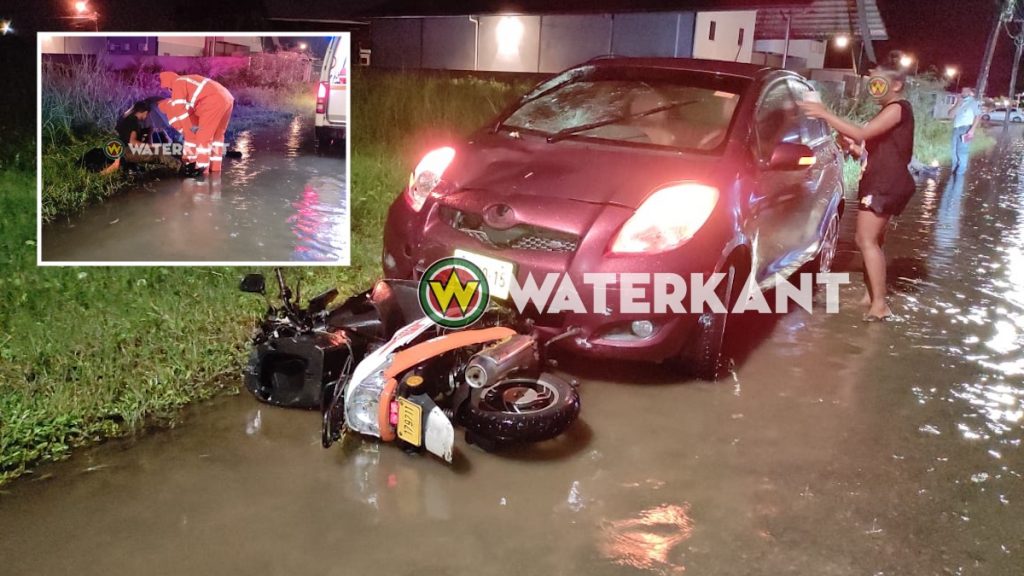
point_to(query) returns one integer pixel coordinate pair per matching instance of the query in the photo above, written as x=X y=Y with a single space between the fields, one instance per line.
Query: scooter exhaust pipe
x=517 y=352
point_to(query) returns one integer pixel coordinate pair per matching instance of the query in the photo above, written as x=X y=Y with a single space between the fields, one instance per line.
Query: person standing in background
x=966 y=116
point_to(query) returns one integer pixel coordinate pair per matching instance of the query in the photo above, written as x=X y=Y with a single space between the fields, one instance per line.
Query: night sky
x=944 y=32
x=938 y=32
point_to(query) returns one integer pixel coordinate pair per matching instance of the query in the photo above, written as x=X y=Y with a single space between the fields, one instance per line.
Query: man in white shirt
x=966 y=114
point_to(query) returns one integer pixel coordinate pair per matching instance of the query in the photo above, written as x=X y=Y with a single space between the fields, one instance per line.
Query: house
x=798 y=38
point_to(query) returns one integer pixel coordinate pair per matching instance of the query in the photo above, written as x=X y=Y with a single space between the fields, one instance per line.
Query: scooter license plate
x=410 y=422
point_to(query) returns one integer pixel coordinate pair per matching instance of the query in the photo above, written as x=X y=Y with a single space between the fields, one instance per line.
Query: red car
x=633 y=165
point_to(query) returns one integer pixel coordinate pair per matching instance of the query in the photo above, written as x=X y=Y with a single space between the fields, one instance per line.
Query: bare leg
x=865 y=300
x=870 y=235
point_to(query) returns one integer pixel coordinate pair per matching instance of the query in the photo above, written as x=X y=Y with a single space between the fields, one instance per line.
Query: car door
x=778 y=202
x=824 y=178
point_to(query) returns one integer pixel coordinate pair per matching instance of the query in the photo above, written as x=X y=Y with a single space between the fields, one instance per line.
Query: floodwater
x=280 y=202
x=839 y=448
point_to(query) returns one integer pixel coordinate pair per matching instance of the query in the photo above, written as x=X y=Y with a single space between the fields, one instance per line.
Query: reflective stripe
x=202 y=150
x=218 y=143
x=202 y=164
x=178 y=119
x=179 y=102
x=190 y=144
x=216 y=158
x=196 y=93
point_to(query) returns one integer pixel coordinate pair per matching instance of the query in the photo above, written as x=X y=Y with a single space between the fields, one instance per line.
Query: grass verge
x=91 y=353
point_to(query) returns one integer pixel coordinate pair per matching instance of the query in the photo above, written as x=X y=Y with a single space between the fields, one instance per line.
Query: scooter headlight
x=362 y=400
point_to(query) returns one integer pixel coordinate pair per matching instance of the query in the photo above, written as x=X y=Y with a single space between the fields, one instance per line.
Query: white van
x=332 y=94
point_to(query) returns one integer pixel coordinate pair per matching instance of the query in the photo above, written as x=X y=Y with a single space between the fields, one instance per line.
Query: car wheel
x=1016 y=119
x=706 y=358
x=986 y=117
x=827 y=252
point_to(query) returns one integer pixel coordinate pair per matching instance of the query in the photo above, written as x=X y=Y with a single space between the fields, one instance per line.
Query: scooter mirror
x=254 y=283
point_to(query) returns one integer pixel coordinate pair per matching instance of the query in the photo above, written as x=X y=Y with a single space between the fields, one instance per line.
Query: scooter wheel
x=521 y=410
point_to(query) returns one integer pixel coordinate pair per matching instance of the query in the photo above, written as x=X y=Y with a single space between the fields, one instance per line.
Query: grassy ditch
x=81 y=102
x=91 y=353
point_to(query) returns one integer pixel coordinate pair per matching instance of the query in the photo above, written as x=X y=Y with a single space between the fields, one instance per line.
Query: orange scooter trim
x=420 y=353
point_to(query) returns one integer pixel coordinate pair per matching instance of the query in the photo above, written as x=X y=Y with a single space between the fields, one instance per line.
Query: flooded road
x=280 y=202
x=839 y=448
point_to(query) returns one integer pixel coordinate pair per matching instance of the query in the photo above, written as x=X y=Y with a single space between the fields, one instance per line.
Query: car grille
x=518 y=237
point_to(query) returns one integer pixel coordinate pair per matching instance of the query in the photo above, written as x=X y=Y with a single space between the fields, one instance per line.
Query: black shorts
x=884 y=204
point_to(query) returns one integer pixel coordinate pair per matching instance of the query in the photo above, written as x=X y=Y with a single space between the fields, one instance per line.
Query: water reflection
x=277 y=202
x=649 y=540
x=321 y=228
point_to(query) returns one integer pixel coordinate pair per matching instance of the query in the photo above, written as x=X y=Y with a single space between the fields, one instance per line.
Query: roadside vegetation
x=932 y=137
x=93 y=353
x=82 y=101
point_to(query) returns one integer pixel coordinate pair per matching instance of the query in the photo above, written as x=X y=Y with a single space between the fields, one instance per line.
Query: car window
x=650 y=107
x=812 y=129
x=777 y=119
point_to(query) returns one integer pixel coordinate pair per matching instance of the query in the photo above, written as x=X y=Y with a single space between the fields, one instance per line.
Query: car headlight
x=667 y=219
x=362 y=400
x=427 y=175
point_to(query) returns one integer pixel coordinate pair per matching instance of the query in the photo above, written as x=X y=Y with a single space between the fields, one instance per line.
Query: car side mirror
x=789 y=156
x=254 y=283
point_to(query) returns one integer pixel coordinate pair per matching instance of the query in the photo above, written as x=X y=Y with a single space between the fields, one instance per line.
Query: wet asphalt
x=280 y=202
x=835 y=448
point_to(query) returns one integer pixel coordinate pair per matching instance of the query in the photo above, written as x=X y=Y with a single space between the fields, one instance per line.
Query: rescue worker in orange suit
x=203 y=104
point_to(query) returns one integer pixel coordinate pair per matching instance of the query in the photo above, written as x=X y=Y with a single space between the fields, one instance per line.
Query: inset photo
x=178 y=149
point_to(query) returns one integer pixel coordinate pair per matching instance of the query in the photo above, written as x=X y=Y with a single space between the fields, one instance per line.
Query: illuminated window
x=711 y=32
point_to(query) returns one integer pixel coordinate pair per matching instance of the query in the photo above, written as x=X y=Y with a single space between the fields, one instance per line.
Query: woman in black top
x=885 y=184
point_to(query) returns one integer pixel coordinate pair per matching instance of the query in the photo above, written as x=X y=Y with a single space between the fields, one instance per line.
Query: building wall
x=59 y=44
x=397 y=42
x=551 y=43
x=181 y=45
x=565 y=41
x=811 y=51
x=725 y=45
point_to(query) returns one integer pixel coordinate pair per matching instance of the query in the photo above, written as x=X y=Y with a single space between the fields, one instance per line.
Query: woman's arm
x=884 y=121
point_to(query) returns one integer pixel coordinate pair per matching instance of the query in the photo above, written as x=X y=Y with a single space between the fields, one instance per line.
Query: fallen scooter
x=371 y=372
x=415 y=388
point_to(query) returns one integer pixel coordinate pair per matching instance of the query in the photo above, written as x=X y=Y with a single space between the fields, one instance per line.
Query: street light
x=303 y=46
x=842 y=41
x=952 y=72
x=5 y=27
x=906 y=61
x=82 y=11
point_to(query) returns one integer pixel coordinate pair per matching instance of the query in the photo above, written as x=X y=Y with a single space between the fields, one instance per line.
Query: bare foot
x=880 y=310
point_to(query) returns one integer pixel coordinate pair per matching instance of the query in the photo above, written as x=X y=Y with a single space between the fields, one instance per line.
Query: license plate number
x=499 y=273
x=410 y=422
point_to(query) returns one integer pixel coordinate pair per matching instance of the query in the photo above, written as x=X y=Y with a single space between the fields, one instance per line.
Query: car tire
x=827 y=253
x=706 y=359
x=484 y=415
x=1016 y=119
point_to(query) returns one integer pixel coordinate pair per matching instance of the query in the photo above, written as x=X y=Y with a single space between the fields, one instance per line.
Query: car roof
x=740 y=69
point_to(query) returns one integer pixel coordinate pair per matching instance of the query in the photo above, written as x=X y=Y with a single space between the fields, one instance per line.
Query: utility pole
x=865 y=30
x=1018 y=42
x=990 y=47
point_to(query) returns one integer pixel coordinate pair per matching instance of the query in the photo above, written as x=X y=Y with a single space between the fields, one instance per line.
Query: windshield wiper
x=563 y=134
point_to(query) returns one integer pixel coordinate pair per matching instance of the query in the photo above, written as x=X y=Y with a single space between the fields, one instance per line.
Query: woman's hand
x=813 y=109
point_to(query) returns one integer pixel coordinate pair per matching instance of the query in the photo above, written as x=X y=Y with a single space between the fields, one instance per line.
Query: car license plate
x=499 y=273
x=410 y=422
